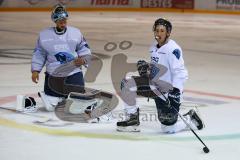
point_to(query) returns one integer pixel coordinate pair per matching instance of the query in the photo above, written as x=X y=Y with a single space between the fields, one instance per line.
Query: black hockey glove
x=142 y=67
x=174 y=98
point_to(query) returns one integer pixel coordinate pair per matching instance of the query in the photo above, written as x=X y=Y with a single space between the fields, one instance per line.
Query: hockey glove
x=142 y=67
x=174 y=98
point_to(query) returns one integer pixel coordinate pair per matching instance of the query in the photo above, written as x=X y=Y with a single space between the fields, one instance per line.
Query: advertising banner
x=33 y=3
x=182 y=5
x=112 y=3
x=233 y=5
x=72 y=3
x=178 y=4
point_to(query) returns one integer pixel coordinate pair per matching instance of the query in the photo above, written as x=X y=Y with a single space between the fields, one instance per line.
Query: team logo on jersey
x=177 y=53
x=154 y=59
x=64 y=57
x=153 y=71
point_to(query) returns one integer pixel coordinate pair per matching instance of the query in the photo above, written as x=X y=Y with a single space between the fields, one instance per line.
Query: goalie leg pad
x=78 y=104
x=26 y=104
x=49 y=102
x=84 y=107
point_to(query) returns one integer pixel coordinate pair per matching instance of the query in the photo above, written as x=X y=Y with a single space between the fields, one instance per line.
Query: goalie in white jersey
x=56 y=46
x=163 y=80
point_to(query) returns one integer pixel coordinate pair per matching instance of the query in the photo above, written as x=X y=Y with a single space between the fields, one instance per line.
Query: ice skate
x=131 y=124
x=195 y=119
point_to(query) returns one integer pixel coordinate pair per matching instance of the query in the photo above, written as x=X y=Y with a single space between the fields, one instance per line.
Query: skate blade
x=128 y=129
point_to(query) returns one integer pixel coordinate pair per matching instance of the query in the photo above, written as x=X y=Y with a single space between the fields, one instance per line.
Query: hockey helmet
x=164 y=22
x=59 y=12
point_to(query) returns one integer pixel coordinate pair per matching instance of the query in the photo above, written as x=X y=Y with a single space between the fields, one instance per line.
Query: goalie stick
x=39 y=119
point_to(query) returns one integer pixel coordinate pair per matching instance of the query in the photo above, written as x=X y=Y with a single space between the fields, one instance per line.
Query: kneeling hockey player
x=166 y=67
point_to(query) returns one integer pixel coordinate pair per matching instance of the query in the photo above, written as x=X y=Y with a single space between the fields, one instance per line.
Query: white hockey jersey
x=53 y=49
x=170 y=55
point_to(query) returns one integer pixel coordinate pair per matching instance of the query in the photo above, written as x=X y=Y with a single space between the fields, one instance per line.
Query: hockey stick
x=41 y=119
x=205 y=148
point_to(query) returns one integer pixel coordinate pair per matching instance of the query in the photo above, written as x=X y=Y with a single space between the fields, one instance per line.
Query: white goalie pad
x=49 y=102
x=26 y=104
x=79 y=103
x=82 y=107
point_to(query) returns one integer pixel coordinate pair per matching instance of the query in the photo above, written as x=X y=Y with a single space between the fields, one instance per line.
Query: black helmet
x=164 y=22
x=59 y=12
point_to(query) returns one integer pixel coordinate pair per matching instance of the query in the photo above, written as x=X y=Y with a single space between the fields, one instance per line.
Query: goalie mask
x=59 y=12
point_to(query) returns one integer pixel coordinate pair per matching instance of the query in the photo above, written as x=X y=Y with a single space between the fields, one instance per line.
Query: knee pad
x=167 y=118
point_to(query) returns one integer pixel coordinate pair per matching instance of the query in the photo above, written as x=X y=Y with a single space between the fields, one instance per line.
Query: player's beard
x=60 y=30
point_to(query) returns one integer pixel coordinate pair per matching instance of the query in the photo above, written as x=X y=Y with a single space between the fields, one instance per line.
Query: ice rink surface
x=212 y=54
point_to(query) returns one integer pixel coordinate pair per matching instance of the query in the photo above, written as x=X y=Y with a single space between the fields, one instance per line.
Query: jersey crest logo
x=177 y=53
x=154 y=59
x=64 y=57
